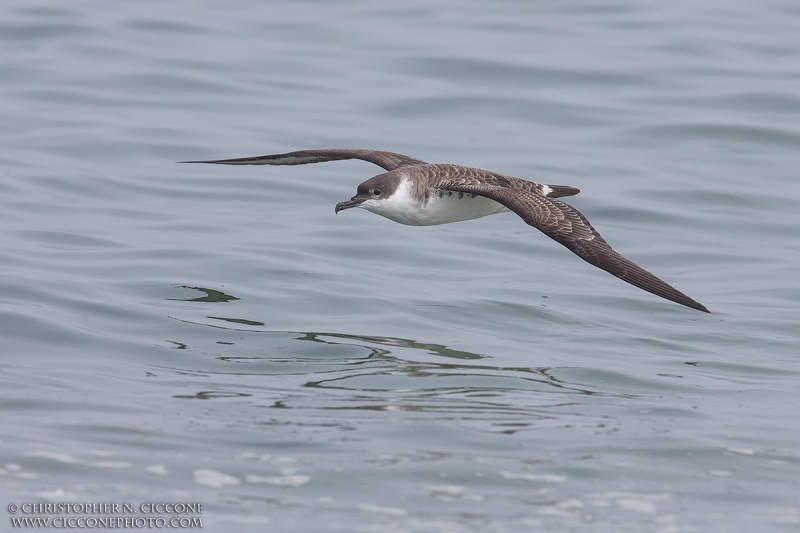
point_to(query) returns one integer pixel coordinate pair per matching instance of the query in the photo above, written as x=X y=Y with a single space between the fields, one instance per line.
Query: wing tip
x=649 y=282
x=694 y=305
x=699 y=307
x=629 y=272
x=214 y=161
x=240 y=161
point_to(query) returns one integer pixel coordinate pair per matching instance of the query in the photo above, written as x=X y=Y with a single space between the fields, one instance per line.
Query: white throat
x=442 y=207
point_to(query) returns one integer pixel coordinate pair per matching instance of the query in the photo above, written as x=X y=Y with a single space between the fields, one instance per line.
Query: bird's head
x=371 y=194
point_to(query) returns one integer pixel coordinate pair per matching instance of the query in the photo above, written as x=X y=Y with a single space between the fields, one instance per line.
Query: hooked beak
x=352 y=202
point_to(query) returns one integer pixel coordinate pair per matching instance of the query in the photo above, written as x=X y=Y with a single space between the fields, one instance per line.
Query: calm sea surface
x=190 y=333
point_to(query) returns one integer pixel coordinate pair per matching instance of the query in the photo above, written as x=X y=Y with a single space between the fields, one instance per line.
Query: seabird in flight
x=417 y=193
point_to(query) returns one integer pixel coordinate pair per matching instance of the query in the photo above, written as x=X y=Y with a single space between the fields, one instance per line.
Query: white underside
x=450 y=207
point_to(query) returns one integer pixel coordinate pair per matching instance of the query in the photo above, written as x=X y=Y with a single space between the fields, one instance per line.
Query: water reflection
x=310 y=375
x=332 y=371
x=212 y=295
x=242 y=321
x=210 y=395
x=433 y=349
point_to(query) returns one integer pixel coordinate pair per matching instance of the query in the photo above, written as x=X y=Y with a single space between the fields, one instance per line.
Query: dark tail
x=562 y=190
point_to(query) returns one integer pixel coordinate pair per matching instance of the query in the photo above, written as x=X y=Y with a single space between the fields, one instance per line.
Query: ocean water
x=191 y=333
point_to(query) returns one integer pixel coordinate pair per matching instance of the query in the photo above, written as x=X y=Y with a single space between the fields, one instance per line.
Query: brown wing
x=566 y=225
x=387 y=160
x=476 y=176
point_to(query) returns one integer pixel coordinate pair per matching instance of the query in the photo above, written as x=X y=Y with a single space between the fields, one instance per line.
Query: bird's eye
x=376 y=192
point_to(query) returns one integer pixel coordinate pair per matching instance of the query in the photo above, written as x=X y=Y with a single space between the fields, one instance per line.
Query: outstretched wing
x=566 y=225
x=387 y=160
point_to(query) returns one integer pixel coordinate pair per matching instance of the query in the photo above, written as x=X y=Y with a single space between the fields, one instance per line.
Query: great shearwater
x=417 y=193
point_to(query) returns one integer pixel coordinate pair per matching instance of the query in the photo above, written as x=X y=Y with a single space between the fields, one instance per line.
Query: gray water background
x=216 y=334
